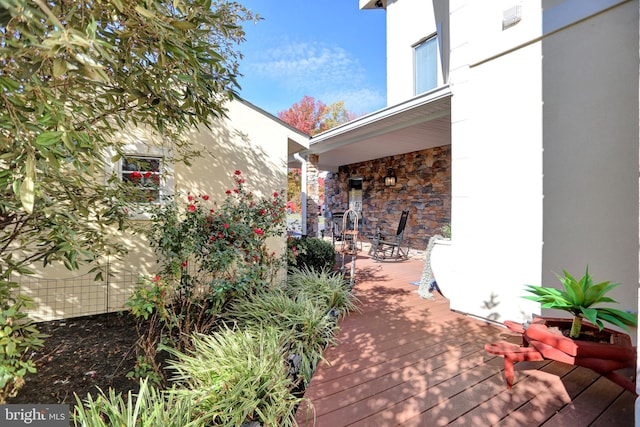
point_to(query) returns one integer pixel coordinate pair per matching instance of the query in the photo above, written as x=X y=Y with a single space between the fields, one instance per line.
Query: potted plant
x=574 y=341
x=587 y=343
x=579 y=299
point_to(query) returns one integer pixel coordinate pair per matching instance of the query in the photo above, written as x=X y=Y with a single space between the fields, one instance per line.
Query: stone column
x=313 y=196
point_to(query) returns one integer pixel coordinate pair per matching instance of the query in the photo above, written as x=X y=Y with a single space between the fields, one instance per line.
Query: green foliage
x=145 y=369
x=209 y=255
x=18 y=335
x=312 y=253
x=327 y=289
x=149 y=407
x=308 y=329
x=149 y=298
x=446 y=231
x=579 y=298
x=335 y=115
x=234 y=377
x=222 y=247
x=73 y=76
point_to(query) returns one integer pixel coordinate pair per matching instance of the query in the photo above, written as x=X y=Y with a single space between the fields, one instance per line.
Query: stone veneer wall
x=423 y=187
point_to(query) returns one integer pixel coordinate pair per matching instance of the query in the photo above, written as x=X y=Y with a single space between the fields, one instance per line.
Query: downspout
x=303 y=191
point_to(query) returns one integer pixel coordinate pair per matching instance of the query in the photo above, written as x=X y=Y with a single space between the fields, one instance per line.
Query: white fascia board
x=327 y=140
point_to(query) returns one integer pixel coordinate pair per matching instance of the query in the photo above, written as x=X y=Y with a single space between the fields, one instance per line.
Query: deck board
x=404 y=360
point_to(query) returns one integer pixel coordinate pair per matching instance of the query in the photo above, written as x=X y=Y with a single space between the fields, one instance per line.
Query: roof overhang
x=373 y=4
x=420 y=123
x=297 y=141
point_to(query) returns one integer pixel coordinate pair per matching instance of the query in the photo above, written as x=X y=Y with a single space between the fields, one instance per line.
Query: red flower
x=212 y=238
x=205 y=197
x=225 y=225
x=275 y=194
x=263 y=211
x=237 y=172
x=136 y=175
x=241 y=181
x=258 y=231
x=192 y=208
x=235 y=190
x=211 y=210
x=190 y=197
x=157 y=278
x=228 y=191
x=184 y=264
x=147 y=174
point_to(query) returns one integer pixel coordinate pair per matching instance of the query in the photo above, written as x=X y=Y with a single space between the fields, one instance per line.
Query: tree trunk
x=576 y=326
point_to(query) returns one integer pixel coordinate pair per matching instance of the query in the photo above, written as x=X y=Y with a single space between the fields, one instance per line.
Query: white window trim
x=167 y=183
x=439 y=77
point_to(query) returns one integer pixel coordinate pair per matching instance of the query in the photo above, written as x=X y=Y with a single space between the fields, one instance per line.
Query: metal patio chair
x=385 y=247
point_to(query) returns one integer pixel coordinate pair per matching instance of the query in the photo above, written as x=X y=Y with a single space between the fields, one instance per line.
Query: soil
x=585 y=335
x=81 y=354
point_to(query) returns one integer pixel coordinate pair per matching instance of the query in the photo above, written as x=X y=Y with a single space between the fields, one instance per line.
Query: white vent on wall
x=511 y=17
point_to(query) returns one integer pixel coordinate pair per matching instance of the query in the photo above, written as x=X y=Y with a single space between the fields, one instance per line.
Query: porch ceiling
x=420 y=123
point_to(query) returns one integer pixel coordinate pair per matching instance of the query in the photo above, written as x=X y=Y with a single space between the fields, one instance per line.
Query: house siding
x=423 y=187
x=247 y=139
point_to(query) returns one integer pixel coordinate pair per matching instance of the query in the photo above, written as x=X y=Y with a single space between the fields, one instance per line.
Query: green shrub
x=328 y=289
x=313 y=253
x=218 y=250
x=306 y=326
x=233 y=377
x=18 y=335
x=209 y=254
x=149 y=407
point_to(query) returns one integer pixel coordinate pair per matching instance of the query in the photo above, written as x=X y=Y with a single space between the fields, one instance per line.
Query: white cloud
x=359 y=101
x=328 y=73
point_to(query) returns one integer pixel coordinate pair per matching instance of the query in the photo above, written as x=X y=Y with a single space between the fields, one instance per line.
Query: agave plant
x=579 y=298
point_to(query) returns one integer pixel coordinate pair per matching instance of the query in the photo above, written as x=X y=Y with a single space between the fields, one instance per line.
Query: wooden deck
x=409 y=361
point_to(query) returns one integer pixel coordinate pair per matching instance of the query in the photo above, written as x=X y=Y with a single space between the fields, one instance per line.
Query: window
x=142 y=173
x=426 y=65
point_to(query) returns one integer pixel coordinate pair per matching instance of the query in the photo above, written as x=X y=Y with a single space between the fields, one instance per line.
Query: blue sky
x=329 y=49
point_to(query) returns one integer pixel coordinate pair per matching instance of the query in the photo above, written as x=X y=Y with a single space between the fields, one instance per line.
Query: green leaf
x=627 y=318
x=49 y=138
x=59 y=67
x=614 y=320
x=10 y=348
x=145 y=12
x=591 y=314
x=595 y=294
x=183 y=25
x=27 y=187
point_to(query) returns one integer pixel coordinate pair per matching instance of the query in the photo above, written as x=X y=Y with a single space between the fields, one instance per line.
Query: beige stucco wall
x=248 y=140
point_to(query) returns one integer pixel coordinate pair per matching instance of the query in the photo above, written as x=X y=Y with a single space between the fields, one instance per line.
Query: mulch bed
x=82 y=354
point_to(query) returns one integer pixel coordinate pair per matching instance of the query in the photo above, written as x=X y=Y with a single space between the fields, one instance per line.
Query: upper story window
x=426 y=65
x=142 y=173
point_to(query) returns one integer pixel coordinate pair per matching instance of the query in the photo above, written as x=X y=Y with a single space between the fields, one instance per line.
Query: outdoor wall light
x=390 y=179
x=379 y=4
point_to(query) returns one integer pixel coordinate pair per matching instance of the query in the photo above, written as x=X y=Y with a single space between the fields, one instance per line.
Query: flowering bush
x=209 y=254
x=226 y=243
